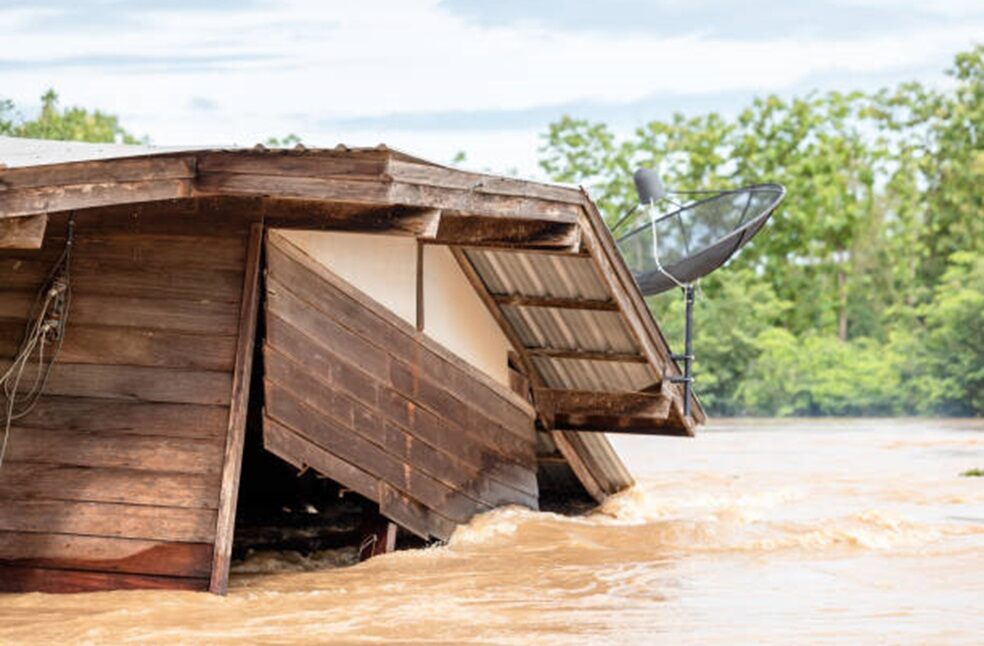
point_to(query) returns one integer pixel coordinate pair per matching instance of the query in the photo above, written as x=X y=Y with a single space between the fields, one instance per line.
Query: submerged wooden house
x=431 y=342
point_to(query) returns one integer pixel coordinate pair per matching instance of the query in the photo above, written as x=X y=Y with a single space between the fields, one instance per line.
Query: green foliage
x=973 y=473
x=863 y=295
x=283 y=142
x=68 y=124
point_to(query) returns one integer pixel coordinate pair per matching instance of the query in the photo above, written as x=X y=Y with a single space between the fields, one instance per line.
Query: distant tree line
x=865 y=293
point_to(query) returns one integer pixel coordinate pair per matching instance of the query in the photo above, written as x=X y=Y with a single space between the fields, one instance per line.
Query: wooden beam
x=420 y=286
x=232 y=465
x=587 y=355
x=506 y=231
x=31 y=201
x=608 y=412
x=23 y=232
x=520 y=300
x=378 y=536
x=589 y=402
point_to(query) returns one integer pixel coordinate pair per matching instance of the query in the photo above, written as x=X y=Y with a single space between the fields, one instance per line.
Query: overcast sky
x=434 y=77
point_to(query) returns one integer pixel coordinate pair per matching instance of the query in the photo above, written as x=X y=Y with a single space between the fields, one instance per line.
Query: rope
x=46 y=323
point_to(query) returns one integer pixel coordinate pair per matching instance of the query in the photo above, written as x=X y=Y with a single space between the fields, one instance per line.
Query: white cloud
x=270 y=70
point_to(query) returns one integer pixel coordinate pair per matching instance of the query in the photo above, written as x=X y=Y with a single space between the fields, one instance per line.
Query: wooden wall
x=113 y=481
x=358 y=394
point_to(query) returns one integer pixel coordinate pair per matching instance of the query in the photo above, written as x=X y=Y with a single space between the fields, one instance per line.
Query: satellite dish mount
x=699 y=233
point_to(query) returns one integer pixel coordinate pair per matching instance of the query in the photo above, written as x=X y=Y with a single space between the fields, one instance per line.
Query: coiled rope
x=45 y=328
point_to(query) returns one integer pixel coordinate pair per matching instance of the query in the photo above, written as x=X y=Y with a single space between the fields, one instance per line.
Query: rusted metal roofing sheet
x=538 y=274
x=20 y=152
x=570 y=329
x=601 y=376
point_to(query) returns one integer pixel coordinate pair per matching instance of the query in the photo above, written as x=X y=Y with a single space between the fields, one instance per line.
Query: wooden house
x=431 y=342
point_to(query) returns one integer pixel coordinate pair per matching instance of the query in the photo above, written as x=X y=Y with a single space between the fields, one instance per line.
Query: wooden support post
x=420 y=286
x=235 y=437
x=378 y=536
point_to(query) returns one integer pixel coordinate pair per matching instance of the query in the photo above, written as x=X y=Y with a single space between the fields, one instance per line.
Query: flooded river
x=755 y=532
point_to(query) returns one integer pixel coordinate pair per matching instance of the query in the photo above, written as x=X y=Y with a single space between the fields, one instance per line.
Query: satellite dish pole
x=650 y=188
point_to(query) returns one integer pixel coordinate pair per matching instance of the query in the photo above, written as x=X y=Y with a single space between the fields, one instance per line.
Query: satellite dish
x=689 y=241
x=675 y=248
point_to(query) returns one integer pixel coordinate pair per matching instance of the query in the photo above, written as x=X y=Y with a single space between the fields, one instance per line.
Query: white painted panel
x=456 y=317
x=384 y=267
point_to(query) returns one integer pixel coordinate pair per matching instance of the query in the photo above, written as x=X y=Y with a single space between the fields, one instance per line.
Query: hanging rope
x=45 y=329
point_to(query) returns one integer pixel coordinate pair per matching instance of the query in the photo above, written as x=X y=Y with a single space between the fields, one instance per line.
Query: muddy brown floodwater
x=800 y=531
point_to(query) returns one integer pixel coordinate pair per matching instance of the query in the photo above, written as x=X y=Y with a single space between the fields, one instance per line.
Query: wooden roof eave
x=462 y=208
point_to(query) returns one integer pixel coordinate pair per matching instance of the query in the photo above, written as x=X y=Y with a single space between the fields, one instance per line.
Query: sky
x=434 y=77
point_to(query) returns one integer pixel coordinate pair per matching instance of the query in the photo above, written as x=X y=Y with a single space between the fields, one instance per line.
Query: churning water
x=755 y=532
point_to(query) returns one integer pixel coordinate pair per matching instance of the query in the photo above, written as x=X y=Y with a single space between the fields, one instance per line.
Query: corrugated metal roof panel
x=567 y=329
x=601 y=376
x=538 y=274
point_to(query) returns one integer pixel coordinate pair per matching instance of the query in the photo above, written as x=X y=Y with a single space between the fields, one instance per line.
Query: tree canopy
x=66 y=124
x=864 y=293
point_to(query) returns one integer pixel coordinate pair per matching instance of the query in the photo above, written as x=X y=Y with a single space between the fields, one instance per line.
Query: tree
x=885 y=191
x=68 y=124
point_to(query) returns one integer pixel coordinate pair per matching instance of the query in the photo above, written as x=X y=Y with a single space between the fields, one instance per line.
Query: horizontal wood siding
x=364 y=398
x=112 y=481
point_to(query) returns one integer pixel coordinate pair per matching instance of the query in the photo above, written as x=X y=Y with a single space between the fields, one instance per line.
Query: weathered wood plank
x=287 y=186
x=302 y=453
x=31 y=201
x=98 y=171
x=226 y=217
x=286 y=408
x=333 y=299
x=128 y=279
x=294 y=164
x=376 y=395
x=441 y=461
x=132 y=346
x=140 y=486
x=150 y=249
x=23 y=232
x=239 y=402
x=473 y=203
x=104 y=554
x=143 y=418
x=412 y=515
x=104 y=519
x=439 y=176
x=114 y=449
x=499 y=232
x=135 y=383
x=26 y=579
x=612 y=412
x=173 y=315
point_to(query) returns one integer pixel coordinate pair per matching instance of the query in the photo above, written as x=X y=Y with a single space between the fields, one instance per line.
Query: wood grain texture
x=23 y=232
x=33 y=579
x=391 y=417
x=113 y=479
x=102 y=554
x=239 y=402
x=105 y=519
x=139 y=486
